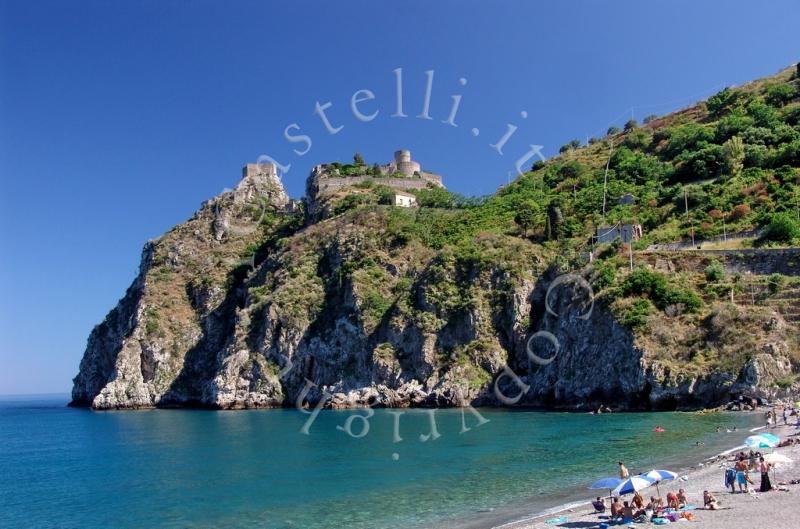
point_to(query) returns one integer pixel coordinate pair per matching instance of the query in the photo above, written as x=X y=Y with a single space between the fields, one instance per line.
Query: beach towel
x=730 y=477
x=660 y=521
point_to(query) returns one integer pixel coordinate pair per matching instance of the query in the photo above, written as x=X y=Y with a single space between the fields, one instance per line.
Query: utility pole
x=605 y=181
x=686 y=206
x=724 y=231
x=630 y=252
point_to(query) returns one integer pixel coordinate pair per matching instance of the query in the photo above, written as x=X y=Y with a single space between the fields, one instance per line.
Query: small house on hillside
x=404 y=200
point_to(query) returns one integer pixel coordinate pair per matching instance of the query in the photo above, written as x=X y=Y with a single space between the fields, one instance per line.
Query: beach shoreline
x=704 y=475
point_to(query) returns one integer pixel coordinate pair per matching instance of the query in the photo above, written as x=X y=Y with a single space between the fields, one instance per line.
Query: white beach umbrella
x=659 y=475
x=633 y=484
x=775 y=459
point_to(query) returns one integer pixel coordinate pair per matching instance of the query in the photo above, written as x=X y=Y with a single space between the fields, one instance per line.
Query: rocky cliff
x=246 y=305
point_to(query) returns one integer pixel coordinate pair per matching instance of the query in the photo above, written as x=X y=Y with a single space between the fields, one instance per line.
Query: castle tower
x=404 y=164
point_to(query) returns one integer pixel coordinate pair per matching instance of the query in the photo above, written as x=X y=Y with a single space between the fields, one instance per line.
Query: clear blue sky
x=118 y=118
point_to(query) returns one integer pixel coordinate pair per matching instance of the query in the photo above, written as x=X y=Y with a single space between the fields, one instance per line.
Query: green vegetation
x=657 y=287
x=782 y=228
x=714 y=271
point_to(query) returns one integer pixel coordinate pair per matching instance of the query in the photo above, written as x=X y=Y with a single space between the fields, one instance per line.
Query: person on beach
x=623 y=471
x=709 y=501
x=654 y=507
x=764 y=467
x=741 y=468
x=599 y=504
x=616 y=508
x=785 y=416
x=638 y=500
x=672 y=500
x=683 y=501
x=627 y=513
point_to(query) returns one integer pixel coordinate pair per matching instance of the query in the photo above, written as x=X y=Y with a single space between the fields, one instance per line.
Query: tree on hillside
x=647 y=119
x=781 y=228
x=734 y=155
x=528 y=216
x=631 y=124
x=555 y=220
x=612 y=131
x=358 y=160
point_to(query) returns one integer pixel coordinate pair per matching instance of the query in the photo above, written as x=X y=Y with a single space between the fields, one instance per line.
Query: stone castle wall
x=327 y=184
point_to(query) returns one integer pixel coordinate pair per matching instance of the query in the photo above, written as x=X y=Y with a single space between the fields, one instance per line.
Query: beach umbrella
x=606 y=483
x=760 y=441
x=633 y=484
x=659 y=475
x=774 y=459
x=774 y=438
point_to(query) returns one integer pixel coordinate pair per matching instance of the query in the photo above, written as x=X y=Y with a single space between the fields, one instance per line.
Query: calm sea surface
x=62 y=467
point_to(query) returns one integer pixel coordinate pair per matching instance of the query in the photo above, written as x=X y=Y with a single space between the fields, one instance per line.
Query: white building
x=404 y=200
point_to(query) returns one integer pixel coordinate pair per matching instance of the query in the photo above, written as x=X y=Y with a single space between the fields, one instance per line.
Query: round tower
x=403 y=163
x=402 y=156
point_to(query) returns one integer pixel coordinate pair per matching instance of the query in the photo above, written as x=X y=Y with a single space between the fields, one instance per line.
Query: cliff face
x=245 y=306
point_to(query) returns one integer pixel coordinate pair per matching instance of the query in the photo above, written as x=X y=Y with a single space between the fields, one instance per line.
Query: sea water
x=64 y=467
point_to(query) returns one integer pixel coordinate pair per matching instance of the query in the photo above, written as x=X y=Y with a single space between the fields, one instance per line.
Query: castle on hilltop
x=401 y=173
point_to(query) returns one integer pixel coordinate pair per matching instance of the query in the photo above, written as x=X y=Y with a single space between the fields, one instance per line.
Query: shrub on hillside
x=714 y=271
x=630 y=125
x=722 y=102
x=655 y=286
x=780 y=94
x=740 y=211
x=783 y=227
x=635 y=316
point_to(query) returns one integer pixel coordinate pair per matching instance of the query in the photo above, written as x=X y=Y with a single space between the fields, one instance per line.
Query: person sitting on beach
x=709 y=501
x=656 y=504
x=599 y=504
x=741 y=477
x=628 y=513
x=638 y=501
x=623 y=471
x=682 y=500
x=672 y=500
x=616 y=508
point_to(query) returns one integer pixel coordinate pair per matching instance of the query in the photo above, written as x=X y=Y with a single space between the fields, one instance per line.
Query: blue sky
x=118 y=118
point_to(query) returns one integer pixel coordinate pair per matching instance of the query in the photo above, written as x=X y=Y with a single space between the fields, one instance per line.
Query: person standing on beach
x=623 y=471
x=766 y=486
x=741 y=468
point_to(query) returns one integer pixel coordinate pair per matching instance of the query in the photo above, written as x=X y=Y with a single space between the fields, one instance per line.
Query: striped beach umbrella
x=632 y=484
x=606 y=484
x=659 y=475
x=761 y=441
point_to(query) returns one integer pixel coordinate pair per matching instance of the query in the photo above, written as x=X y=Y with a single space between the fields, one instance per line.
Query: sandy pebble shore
x=771 y=510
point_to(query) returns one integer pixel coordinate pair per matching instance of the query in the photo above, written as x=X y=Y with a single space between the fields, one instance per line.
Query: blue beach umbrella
x=606 y=483
x=633 y=484
x=659 y=475
x=761 y=441
x=771 y=437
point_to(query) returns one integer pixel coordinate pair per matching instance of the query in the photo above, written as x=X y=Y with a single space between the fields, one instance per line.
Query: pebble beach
x=777 y=509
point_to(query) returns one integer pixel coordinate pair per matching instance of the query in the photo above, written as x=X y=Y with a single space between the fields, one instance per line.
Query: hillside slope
x=361 y=303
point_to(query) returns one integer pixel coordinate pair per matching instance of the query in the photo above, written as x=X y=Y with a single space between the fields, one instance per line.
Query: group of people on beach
x=740 y=474
x=638 y=510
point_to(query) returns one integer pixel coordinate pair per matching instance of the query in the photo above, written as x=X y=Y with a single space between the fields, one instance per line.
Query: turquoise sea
x=63 y=467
